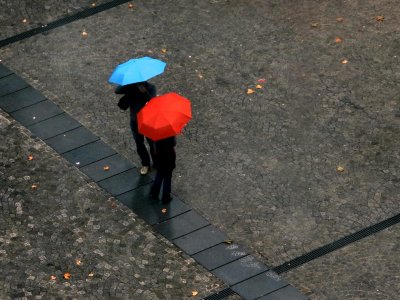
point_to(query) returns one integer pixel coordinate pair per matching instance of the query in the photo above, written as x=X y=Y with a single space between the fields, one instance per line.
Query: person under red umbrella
x=164 y=150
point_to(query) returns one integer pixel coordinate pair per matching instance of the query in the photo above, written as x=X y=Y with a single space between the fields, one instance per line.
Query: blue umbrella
x=137 y=70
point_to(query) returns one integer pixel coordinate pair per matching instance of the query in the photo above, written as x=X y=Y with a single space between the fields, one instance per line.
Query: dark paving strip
x=220 y=295
x=298 y=261
x=80 y=15
x=176 y=221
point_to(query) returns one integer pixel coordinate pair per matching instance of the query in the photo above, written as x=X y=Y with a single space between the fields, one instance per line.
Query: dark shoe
x=166 y=199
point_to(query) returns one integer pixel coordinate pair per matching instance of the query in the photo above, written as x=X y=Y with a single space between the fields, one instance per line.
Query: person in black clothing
x=165 y=154
x=136 y=96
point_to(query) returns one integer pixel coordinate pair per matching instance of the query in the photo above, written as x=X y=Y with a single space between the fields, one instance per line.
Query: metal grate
x=294 y=263
x=220 y=295
x=80 y=15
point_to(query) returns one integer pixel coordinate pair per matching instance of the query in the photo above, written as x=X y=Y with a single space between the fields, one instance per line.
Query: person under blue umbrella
x=135 y=97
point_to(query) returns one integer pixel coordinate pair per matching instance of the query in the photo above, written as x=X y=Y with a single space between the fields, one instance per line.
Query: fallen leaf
x=380 y=18
x=200 y=76
x=93 y=4
x=164 y=210
x=52 y=277
x=34 y=186
x=339 y=19
x=228 y=242
x=24 y=20
x=259 y=86
x=84 y=33
x=30 y=157
x=106 y=168
x=67 y=276
x=344 y=61
x=78 y=262
x=90 y=274
x=261 y=80
x=195 y=293
x=339 y=169
x=250 y=91
x=130 y=5
x=338 y=39
x=314 y=24
x=164 y=50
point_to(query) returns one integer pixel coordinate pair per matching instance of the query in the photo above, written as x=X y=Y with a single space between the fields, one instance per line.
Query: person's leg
x=140 y=146
x=152 y=152
x=166 y=195
x=155 y=188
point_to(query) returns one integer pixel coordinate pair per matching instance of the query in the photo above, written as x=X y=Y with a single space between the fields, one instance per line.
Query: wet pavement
x=308 y=157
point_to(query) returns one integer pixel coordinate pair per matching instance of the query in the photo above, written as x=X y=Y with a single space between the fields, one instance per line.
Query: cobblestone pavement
x=67 y=224
x=260 y=166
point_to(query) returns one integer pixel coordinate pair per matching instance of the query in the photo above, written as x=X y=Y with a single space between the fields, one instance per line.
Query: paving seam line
x=63 y=21
x=204 y=244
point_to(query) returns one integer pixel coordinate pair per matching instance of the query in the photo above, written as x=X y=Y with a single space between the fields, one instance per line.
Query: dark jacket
x=136 y=98
x=165 y=153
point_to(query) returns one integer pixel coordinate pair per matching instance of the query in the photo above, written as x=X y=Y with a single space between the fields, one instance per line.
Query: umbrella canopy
x=164 y=116
x=137 y=70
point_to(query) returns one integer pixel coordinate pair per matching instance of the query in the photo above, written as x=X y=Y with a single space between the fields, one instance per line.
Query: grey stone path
x=261 y=166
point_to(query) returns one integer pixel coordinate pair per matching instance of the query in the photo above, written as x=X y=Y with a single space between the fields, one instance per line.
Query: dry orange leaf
x=164 y=50
x=380 y=18
x=250 y=91
x=338 y=39
x=259 y=86
x=339 y=169
x=339 y=19
x=78 y=262
x=344 y=61
x=195 y=293
x=106 y=168
x=30 y=157
x=67 y=276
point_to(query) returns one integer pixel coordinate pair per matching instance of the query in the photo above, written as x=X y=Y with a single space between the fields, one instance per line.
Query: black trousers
x=164 y=178
x=141 y=147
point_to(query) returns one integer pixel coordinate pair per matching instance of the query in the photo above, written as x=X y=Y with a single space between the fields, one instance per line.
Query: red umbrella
x=164 y=116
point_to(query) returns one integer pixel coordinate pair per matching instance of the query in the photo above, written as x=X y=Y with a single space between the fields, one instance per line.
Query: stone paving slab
x=181 y=225
x=20 y=99
x=240 y=270
x=200 y=240
x=260 y=285
x=219 y=255
x=66 y=224
x=54 y=126
x=124 y=182
x=11 y=83
x=157 y=212
x=89 y=153
x=36 y=113
x=71 y=140
x=107 y=167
